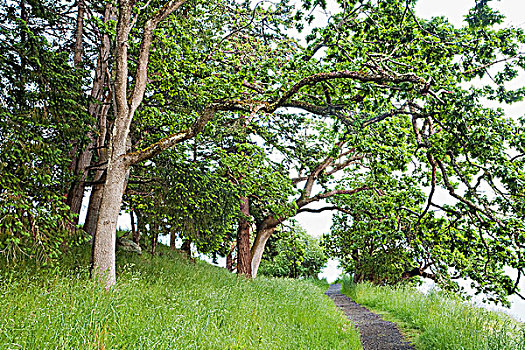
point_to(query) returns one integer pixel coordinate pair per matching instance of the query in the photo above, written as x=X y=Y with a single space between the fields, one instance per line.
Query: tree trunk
x=173 y=238
x=105 y=237
x=132 y=223
x=125 y=106
x=229 y=258
x=186 y=247
x=154 y=238
x=79 y=33
x=136 y=235
x=90 y=225
x=76 y=191
x=229 y=261
x=262 y=237
x=244 y=256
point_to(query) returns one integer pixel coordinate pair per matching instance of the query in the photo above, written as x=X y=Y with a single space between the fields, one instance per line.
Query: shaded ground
x=376 y=333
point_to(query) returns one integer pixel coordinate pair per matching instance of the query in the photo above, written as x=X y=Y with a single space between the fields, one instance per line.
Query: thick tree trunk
x=125 y=106
x=244 y=256
x=105 y=237
x=262 y=237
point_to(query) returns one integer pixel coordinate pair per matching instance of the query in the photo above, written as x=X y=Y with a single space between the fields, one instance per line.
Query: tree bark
x=76 y=191
x=79 y=32
x=118 y=162
x=244 y=256
x=154 y=238
x=90 y=225
x=186 y=247
x=173 y=238
x=258 y=246
x=105 y=237
x=229 y=258
x=133 y=226
x=229 y=261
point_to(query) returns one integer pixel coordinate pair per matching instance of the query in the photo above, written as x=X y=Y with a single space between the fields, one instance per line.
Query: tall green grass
x=442 y=321
x=165 y=303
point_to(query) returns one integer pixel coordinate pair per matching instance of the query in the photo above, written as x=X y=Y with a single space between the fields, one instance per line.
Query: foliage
x=291 y=252
x=393 y=97
x=190 y=199
x=442 y=321
x=372 y=237
x=165 y=302
x=440 y=134
x=41 y=112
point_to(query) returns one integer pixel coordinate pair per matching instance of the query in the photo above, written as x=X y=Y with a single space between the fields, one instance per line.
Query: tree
x=128 y=98
x=291 y=252
x=394 y=90
x=42 y=108
x=432 y=128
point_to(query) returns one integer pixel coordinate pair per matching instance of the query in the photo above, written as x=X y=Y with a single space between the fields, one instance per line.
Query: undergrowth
x=441 y=322
x=164 y=302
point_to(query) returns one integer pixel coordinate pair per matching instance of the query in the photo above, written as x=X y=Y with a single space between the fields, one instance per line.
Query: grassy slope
x=440 y=322
x=166 y=303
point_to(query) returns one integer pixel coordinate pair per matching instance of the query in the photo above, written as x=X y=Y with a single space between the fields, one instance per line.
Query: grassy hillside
x=441 y=322
x=165 y=303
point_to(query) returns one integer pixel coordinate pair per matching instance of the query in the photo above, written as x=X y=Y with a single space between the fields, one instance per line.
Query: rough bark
x=105 y=237
x=244 y=258
x=90 y=225
x=76 y=191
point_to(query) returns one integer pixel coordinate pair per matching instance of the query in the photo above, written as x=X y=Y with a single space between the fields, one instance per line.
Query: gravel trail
x=376 y=333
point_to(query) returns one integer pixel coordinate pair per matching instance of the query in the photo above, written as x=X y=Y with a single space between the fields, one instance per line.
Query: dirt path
x=376 y=333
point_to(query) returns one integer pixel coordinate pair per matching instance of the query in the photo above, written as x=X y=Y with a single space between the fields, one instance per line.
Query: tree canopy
x=213 y=120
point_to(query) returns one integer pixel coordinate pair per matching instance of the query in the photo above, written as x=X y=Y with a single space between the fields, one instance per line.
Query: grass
x=165 y=302
x=440 y=322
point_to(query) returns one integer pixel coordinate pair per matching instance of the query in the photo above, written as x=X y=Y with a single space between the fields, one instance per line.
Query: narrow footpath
x=376 y=333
